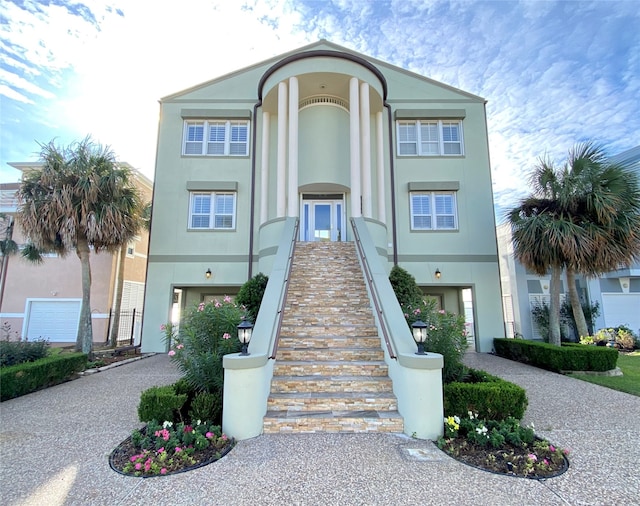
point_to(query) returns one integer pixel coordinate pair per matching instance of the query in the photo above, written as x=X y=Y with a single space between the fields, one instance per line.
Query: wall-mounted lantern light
x=245 y=329
x=419 y=330
x=207 y=274
x=438 y=273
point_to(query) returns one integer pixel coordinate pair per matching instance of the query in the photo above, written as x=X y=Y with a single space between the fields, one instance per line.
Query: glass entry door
x=322 y=220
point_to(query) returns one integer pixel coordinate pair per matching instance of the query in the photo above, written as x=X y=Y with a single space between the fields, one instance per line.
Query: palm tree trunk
x=84 y=339
x=576 y=306
x=554 y=307
x=117 y=303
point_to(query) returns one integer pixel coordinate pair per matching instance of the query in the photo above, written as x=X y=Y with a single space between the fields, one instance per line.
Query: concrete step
x=330 y=354
x=329 y=330
x=326 y=341
x=332 y=401
x=330 y=368
x=278 y=422
x=298 y=384
x=328 y=319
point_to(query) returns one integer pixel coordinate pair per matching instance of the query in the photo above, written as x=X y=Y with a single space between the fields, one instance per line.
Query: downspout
x=392 y=171
x=254 y=136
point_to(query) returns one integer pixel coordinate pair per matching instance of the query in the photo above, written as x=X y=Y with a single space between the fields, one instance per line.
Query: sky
x=554 y=73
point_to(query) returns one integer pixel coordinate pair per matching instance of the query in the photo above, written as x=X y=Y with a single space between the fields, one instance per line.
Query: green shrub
x=161 y=404
x=251 y=293
x=18 y=352
x=21 y=379
x=207 y=333
x=405 y=287
x=488 y=396
x=206 y=406
x=568 y=357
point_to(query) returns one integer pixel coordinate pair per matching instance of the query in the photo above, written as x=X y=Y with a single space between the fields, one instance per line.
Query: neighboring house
x=324 y=134
x=43 y=301
x=617 y=292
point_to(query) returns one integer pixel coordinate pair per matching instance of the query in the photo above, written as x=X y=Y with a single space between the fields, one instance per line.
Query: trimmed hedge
x=492 y=398
x=162 y=404
x=21 y=379
x=568 y=357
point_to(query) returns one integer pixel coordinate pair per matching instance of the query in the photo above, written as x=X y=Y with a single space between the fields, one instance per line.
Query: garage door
x=55 y=320
x=621 y=309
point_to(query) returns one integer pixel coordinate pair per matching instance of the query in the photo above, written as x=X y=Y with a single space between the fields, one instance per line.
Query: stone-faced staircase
x=330 y=374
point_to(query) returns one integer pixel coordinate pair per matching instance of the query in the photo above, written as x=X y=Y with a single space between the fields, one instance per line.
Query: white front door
x=322 y=220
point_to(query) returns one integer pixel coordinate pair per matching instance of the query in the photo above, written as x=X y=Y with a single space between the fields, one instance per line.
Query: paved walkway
x=54 y=447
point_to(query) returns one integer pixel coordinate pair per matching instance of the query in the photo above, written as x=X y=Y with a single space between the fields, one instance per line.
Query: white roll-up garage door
x=621 y=309
x=54 y=320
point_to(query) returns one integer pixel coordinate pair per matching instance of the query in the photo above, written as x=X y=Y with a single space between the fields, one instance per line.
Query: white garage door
x=55 y=320
x=621 y=309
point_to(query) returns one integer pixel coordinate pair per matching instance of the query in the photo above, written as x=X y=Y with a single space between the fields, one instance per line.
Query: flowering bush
x=621 y=336
x=203 y=337
x=446 y=335
x=162 y=449
x=501 y=446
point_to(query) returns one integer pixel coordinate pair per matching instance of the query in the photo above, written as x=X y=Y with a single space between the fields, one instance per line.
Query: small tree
x=79 y=200
x=251 y=293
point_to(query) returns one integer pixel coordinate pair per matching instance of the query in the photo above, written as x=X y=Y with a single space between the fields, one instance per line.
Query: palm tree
x=80 y=200
x=583 y=217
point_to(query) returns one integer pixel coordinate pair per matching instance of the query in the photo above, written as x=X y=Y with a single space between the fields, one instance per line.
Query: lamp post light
x=419 y=329
x=245 y=330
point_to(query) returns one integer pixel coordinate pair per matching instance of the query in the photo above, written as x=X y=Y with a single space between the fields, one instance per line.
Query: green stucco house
x=310 y=145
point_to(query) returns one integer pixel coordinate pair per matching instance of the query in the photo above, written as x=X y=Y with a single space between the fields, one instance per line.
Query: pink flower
x=546 y=462
x=180 y=346
x=163 y=327
x=201 y=306
x=138 y=466
x=226 y=335
x=161 y=450
x=532 y=456
x=172 y=353
x=209 y=435
x=227 y=298
x=163 y=470
x=441 y=311
x=223 y=437
x=552 y=448
x=188 y=428
x=217 y=304
x=416 y=312
x=133 y=458
x=406 y=315
x=178 y=449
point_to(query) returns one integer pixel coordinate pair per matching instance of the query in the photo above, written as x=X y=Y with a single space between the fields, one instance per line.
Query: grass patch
x=629 y=364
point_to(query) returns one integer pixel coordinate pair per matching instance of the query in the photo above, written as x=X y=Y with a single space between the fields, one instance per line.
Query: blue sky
x=554 y=73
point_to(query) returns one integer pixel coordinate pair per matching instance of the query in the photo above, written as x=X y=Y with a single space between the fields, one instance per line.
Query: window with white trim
x=212 y=210
x=429 y=138
x=216 y=138
x=433 y=211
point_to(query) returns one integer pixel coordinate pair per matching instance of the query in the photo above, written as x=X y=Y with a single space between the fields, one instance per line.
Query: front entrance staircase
x=330 y=374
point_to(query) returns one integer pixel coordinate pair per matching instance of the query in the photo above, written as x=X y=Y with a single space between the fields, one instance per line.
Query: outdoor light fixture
x=438 y=273
x=208 y=274
x=244 y=335
x=419 y=329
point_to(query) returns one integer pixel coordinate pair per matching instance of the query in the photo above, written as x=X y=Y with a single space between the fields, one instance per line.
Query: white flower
x=167 y=425
x=482 y=430
x=456 y=419
x=198 y=422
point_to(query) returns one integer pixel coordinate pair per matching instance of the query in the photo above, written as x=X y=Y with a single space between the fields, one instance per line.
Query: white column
x=264 y=163
x=292 y=197
x=382 y=215
x=365 y=143
x=354 y=146
x=281 y=177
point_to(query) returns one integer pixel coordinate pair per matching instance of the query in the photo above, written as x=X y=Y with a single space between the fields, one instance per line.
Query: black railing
x=372 y=290
x=128 y=327
x=283 y=303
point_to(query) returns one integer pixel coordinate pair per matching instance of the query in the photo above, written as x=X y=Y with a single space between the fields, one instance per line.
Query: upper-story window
x=216 y=138
x=212 y=210
x=430 y=138
x=433 y=211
